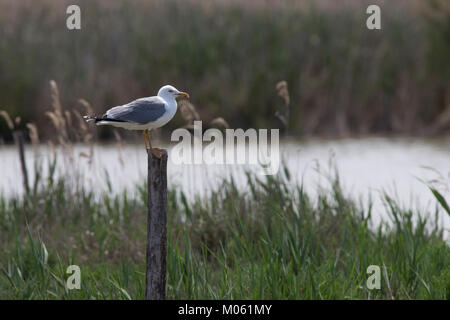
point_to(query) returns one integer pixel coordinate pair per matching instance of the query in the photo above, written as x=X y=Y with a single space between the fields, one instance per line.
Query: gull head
x=169 y=92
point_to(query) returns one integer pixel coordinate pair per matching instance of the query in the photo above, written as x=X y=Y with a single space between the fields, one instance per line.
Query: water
x=367 y=167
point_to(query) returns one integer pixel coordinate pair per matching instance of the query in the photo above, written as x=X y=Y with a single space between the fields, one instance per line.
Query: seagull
x=143 y=114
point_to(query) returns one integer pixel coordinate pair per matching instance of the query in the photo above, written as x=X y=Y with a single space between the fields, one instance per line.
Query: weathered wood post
x=20 y=141
x=155 y=278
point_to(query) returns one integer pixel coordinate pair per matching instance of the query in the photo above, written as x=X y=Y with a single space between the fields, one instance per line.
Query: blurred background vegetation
x=343 y=79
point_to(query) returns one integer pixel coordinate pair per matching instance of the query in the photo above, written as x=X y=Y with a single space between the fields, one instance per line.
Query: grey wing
x=141 y=111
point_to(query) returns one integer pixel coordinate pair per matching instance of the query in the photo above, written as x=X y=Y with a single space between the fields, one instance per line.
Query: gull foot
x=157 y=152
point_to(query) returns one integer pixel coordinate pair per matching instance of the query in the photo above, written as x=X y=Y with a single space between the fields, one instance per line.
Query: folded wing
x=140 y=111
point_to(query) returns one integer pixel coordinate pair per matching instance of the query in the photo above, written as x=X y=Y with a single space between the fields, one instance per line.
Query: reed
x=283 y=115
x=270 y=241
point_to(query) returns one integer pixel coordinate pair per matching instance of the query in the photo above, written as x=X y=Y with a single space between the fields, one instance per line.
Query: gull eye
x=170 y=90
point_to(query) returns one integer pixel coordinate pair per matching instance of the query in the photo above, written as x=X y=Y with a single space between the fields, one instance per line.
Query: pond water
x=366 y=166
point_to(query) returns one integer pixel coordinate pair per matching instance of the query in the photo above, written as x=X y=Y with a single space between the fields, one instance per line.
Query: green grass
x=271 y=241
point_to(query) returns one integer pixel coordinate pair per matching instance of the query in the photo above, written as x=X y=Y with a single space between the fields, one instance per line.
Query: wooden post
x=155 y=278
x=19 y=140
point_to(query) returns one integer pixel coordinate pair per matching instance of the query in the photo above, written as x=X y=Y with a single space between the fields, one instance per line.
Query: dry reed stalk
x=87 y=106
x=62 y=121
x=81 y=122
x=119 y=146
x=57 y=118
x=68 y=117
x=220 y=122
x=85 y=155
x=89 y=140
x=34 y=137
x=88 y=110
x=283 y=92
x=19 y=140
x=56 y=102
x=55 y=98
x=52 y=148
x=33 y=133
x=83 y=132
x=188 y=112
x=53 y=118
x=9 y=122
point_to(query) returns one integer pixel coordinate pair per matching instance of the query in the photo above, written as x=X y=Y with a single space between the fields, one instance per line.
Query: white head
x=170 y=92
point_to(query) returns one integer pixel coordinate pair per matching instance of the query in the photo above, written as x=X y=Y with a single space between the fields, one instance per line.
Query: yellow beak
x=183 y=95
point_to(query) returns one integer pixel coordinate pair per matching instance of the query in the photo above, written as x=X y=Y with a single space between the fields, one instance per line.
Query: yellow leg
x=144 y=134
x=149 y=139
x=155 y=151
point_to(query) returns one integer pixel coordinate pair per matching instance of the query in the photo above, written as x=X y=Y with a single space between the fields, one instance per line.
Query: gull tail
x=97 y=120
x=90 y=118
x=103 y=120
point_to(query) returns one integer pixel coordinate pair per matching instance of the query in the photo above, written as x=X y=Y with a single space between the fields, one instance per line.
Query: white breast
x=171 y=109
